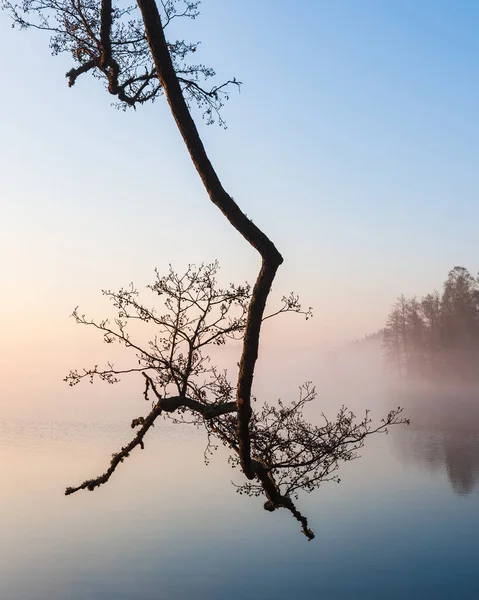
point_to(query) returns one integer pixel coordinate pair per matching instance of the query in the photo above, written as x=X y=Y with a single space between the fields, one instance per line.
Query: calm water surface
x=403 y=523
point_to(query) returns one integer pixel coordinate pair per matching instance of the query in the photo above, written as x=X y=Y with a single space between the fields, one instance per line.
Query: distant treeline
x=436 y=337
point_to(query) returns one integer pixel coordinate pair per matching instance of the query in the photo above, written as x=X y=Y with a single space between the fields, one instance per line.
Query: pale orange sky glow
x=360 y=177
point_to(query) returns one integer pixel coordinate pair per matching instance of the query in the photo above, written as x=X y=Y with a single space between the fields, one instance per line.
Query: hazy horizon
x=356 y=152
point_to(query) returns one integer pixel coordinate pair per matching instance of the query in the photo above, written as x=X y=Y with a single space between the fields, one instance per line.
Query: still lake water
x=403 y=523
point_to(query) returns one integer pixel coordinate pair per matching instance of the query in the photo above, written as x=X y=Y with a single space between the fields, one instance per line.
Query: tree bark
x=271 y=258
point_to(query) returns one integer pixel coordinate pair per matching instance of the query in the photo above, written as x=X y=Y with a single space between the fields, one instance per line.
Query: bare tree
x=393 y=342
x=438 y=336
x=288 y=453
x=278 y=452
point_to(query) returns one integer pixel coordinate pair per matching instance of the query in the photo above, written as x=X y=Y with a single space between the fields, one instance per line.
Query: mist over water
x=443 y=436
x=444 y=433
x=403 y=522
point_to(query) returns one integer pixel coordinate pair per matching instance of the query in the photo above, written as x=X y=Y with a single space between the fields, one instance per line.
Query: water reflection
x=444 y=435
x=168 y=527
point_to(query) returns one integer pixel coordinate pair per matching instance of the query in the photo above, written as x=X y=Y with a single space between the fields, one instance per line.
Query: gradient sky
x=354 y=143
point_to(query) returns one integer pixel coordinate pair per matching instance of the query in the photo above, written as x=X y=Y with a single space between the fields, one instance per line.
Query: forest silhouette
x=436 y=337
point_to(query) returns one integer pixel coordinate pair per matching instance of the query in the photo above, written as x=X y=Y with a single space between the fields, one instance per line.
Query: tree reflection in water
x=444 y=435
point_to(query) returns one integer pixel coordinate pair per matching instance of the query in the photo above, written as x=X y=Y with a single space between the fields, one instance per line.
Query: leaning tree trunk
x=271 y=258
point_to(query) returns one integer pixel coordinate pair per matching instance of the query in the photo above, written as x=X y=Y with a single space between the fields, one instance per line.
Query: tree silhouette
x=437 y=337
x=278 y=452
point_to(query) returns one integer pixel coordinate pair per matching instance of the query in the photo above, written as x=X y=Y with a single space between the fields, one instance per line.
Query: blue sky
x=354 y=143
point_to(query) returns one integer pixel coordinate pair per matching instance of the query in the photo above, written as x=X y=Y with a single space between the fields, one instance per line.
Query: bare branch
x=162 y=405
x=278 y=451
x=73 y=74
x=287 y=454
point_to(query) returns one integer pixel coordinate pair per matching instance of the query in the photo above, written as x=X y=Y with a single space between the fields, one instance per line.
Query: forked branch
x=277 y=450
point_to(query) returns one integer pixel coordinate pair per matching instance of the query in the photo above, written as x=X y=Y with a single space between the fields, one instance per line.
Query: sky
x=353 y=142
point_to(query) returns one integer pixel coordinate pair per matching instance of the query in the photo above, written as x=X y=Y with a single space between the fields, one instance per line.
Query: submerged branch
x=171 y=404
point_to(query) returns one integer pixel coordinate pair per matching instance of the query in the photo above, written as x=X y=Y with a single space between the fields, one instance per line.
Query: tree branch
x=279 y=452
x=73 y=74
x=271 y=258
x=105 y=33
x=171 y=404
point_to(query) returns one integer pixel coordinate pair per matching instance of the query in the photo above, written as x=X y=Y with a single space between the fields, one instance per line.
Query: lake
x=403 y=522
